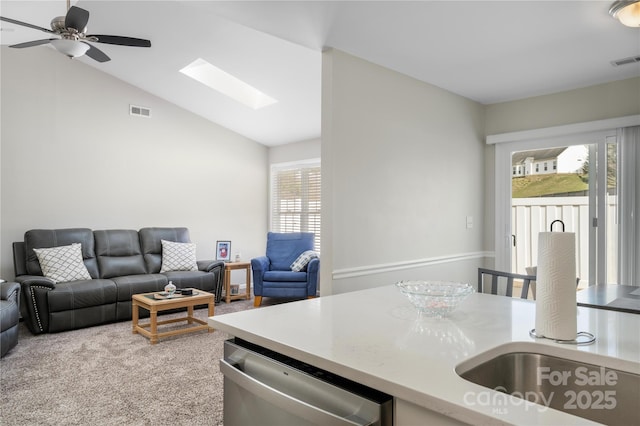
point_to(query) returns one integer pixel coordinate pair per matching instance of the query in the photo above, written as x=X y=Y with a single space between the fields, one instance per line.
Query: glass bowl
x=435 y=298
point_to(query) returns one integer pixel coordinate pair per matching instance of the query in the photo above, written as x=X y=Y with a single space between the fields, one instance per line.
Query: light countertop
x=376 y=337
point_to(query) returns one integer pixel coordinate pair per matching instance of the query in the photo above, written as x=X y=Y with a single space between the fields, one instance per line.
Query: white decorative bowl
x=435 y=298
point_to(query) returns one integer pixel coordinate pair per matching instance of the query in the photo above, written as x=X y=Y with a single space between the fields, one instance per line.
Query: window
x=537 y=167
x=295 y=198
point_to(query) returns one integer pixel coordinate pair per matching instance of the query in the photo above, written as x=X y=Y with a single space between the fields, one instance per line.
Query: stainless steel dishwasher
x=262 y=387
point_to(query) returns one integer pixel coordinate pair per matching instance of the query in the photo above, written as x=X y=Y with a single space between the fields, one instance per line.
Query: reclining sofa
x=9 y=316
x=120 y=263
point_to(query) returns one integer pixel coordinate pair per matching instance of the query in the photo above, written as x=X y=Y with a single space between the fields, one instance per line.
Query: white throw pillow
x=301 y=262
x=63 y=263
x=178 y=256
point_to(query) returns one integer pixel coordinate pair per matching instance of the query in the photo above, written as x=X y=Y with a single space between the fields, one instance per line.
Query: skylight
x=223 y=82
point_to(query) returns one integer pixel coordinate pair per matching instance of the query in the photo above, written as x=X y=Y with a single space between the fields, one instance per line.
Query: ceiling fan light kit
x=627 y=12
x=71 y=48
x=73 y=39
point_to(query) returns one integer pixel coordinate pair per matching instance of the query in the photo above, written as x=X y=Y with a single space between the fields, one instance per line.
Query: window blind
x=295 y=198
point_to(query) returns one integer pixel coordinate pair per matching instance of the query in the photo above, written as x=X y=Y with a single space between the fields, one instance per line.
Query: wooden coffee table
x=154 y=304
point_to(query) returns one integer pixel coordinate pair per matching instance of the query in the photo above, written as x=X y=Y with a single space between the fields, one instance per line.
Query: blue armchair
x=272 y=274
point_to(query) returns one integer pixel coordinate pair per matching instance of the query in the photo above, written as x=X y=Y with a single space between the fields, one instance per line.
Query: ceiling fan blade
x=32 y=43
x=122 y=41
x=97 y=54
x=24 y=24
x=76 y=18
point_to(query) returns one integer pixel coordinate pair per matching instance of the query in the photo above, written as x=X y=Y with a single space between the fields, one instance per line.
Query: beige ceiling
x=488 y=51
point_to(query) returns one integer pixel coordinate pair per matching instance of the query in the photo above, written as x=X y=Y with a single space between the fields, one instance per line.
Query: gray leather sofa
x=9 y=316
x=121 y=263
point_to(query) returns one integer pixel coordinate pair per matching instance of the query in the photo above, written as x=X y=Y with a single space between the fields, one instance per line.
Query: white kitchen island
x=375 y=337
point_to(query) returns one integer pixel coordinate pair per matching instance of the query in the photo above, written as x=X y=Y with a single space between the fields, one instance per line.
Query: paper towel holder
x=582 y=337
x=590 y=338
x=557 y=220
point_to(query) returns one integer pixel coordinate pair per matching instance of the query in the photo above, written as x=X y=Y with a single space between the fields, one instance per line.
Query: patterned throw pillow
x=178 y=256
x=63 y=263
x=301 y=262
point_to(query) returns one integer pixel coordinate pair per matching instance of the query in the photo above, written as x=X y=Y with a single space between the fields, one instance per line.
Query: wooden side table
x=230 y=266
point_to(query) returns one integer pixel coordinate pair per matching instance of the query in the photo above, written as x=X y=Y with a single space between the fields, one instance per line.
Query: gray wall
x=610 y=100
x=72 y=156
x=402 y=168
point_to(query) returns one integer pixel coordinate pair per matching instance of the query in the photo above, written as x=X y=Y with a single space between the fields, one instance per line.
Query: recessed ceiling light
x=223 y=82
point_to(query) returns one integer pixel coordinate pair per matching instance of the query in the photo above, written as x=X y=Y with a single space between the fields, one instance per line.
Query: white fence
x=529 y=216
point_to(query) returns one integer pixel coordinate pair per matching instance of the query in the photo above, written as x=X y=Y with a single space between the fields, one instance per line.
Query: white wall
x=297 y=151
x=72 y=156
x=402 y=168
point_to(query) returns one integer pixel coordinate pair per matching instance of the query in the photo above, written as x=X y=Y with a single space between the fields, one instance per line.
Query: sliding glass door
x=607 y=229
x=572 y=179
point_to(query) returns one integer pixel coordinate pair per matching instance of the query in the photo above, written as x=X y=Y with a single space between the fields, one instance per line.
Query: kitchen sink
x=595 y=392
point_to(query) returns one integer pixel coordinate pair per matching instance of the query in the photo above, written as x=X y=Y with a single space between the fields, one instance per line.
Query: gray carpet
x=106 y=375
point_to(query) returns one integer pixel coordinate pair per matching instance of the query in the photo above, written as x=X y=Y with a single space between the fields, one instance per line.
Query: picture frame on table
x=223 y=250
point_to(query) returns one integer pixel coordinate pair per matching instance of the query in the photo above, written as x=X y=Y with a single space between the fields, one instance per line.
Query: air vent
x=625 y=61
x=139 y=111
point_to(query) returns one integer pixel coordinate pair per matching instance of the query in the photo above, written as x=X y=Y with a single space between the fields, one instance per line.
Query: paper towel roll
x=556 y=308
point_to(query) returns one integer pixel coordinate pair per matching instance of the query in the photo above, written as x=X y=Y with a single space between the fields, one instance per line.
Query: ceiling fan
x=73 y=38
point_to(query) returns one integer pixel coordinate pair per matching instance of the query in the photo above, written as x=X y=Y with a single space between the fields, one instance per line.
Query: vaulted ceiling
x=488 y=51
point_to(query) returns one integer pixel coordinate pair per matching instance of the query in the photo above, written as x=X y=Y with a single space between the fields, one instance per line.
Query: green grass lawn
x=541 y=185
